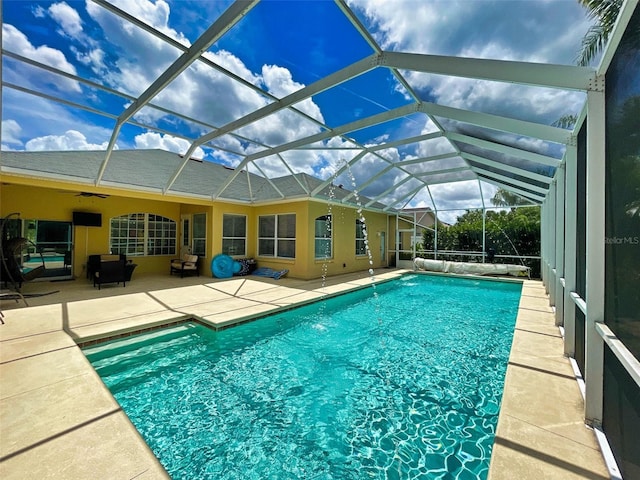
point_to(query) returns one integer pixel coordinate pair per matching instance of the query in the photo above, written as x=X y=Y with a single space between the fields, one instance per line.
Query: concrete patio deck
x=58 y=420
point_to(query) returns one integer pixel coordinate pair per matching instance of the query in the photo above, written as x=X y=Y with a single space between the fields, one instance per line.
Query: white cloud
x=153 y=13
x=16 y=41
x=94 y=58
x=68 y=19
x=38 y=117
x=11 y=131
x=517 y=30
x=548 y=32
x=71 y=140
x=452 y=199
x=435 y=146
x=200 y=91
x=87 y=51
x=152 y=140
x=146 y=55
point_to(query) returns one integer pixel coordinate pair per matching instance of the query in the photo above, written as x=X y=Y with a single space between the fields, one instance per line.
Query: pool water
x=403 y=381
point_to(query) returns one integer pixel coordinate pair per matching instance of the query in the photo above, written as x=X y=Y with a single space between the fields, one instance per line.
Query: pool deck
x=58 y=420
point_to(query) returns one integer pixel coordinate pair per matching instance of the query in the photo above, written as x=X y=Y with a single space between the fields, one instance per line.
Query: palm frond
x=593 y=42
x=605 y=12
x=566 y=121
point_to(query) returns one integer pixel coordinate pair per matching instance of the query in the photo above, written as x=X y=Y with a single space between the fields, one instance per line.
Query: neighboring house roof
x=151 y=170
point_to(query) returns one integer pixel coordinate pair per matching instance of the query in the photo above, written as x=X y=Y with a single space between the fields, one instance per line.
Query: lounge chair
x=110 y=271
x=188 y=265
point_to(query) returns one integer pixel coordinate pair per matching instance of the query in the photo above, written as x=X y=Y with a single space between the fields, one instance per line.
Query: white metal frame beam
x=405 y=141
x=496 y=122
x=560 y=244
x=501 y=148
x=433 y=158
x=509 y=180
x=570 y=214
x=390 y=189
x=338 y=131
x=537 y=74
x=222 y=24
x=595 y=255
x=409 y=195
x=442 y=172
x=321 y=85
x=538 y=199
x=507 y=168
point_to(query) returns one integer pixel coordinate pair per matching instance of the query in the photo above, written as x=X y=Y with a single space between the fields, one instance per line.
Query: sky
x=276 y=49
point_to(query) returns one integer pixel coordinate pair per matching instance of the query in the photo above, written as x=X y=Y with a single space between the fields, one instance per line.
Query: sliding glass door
x=49 y=244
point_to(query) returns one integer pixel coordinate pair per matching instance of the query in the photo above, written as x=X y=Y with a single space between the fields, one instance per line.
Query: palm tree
x=605 y=12
x=566 y=121
x=504 y=198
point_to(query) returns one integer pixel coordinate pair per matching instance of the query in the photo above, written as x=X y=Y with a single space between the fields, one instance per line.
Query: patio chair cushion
x=187 y=264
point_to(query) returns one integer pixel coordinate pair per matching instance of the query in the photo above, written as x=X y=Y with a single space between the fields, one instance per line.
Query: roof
x=401 y=150
x=150 y=171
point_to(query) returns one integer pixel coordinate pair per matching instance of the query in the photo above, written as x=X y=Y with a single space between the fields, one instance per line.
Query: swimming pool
x=403 y=381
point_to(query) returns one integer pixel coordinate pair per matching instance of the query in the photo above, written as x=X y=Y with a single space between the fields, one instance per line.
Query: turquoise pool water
x=401 y=381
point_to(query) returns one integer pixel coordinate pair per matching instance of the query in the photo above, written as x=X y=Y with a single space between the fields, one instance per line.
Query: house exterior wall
x=52 y=200
x=208 y=210
x=344 y=258
x=59 y=205
x=297 y=267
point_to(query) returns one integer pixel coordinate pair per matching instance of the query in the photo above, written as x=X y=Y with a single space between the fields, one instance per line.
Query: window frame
x=361 y=238
x=143 y=235
x=234 y=238
x=323 y=238
x=196 y=239
x=277 y=239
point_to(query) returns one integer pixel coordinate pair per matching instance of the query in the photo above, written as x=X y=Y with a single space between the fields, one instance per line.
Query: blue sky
x=278 y=47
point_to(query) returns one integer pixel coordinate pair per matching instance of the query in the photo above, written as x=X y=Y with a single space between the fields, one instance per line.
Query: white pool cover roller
x=470 y=268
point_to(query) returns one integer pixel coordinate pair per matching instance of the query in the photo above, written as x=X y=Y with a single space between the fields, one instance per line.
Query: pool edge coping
x=91 y=340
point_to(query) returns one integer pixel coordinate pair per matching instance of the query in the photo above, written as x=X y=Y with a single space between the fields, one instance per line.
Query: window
x=277 y=236
x=234 y=234
x=323 y=237
x=139 y=234
x=199 y=240
x=186 y=232
x=361 y=240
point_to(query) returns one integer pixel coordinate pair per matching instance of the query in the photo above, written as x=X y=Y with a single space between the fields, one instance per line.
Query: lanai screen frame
x=525 y=183
x=573 y=261
x=556 y=196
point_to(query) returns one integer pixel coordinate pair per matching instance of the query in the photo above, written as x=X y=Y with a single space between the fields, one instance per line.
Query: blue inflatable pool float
x=223 y=266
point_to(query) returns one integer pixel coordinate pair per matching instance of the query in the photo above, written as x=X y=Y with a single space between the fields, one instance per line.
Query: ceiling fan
x=90 y=194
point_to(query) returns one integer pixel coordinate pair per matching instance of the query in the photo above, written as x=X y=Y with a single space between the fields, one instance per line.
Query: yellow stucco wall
x=344 y=258
x=187 y=209
x=297 y=267
x=219 y=210
x=50 y=200
x=59 y=205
